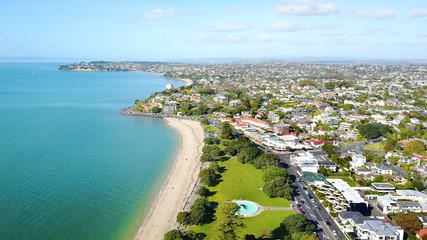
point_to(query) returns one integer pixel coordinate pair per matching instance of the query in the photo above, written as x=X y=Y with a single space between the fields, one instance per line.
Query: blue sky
x=167 y=30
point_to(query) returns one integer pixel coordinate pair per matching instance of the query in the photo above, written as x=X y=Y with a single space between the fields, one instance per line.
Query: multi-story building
x=378 y=230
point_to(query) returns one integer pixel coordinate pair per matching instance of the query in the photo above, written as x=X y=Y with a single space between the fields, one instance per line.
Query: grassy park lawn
x=376 y=146
x=209 y=128
x=259 y=225
x=345 y=179
x=243 y=181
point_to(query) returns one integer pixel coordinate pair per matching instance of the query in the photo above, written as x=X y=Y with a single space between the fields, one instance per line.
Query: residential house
x=378 y=230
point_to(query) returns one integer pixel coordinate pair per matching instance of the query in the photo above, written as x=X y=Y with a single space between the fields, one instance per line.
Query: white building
x=357 y=160
x=378 y=230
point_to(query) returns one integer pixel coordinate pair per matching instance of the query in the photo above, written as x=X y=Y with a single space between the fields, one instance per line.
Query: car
x=300 y=209
x=302 y=212
x=334 y=232
x=325 y=218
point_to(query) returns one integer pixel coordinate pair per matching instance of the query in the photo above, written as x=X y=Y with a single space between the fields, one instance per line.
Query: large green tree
x=229 y=223
x=174 y=235
x=408 y=221
x=272 y=173
x=329 y=148
x=278 y=188
x=373 y=130
x=201 y=212
x=226 y=131
x=298 y=223
x=266 y=160
x=415 y=146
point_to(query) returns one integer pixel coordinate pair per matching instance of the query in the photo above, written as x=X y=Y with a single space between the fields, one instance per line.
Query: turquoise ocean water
x=71 y=166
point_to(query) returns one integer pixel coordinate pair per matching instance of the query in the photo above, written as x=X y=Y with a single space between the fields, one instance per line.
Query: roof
x=411 y=192
x=380 y=228
x=357 y=217
x=422 y=232
x=383 y=186
x=348 y=193
x=282 y=125
x=408 y=204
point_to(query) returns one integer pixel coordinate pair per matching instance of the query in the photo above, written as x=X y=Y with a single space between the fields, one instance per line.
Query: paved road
x=324 y=230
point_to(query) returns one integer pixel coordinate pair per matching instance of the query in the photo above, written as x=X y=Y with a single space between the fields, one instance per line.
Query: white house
x=378 y=230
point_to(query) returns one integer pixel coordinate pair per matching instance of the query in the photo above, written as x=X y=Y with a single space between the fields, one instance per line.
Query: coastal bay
x=72 y=166
x=179 y=184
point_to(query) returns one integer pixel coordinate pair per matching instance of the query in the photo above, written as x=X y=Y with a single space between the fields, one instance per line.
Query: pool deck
x=261 y=208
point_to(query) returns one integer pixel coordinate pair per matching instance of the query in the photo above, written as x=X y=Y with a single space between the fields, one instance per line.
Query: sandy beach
x=179 y=184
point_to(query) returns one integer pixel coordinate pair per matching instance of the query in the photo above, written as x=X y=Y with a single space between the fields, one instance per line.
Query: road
x=308 y=205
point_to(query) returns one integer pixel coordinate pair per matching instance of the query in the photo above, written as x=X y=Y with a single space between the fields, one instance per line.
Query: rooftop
x=348 y=193
x=380 y=228
x=383 y=186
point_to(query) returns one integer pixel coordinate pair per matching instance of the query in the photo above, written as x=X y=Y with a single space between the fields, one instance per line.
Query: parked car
x=335 y=233
x=300 y=209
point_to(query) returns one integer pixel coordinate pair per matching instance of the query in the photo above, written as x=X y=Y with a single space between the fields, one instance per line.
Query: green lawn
x=209 y=128
x=345 y=179
x=376 y=146
x=243 y=181
x=260 y=225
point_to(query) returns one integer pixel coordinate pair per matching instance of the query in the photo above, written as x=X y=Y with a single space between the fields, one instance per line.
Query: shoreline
x=179 y=183
x=187 y=81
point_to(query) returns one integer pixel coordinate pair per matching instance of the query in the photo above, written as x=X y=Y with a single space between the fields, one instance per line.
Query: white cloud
x=158 y=13
x=418 y=13
x=306 y=7
x=423 y=35
x=225 y=27
x=2 y=40
x=293 y=27
x=378 y=14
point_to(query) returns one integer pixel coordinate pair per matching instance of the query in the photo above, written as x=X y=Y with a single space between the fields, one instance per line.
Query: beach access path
x=179 y=184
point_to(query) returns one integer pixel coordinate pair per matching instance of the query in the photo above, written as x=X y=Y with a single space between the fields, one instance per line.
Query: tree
x=414 y=146
x=209 y=180
x=323 y=171
x=272 y=173
x=278 y=188
x=266 y=160
x=249 y=237
x=200 y=211
x=203 y=192
x=329 y=148
x=419 y=185
x=214 y=166
x=226 y=131
x=249 y=155
x=373 y=130
x=309 y=237
x=388 y=147
x=174 y=235
x=183 y=217
x=408 y=221
x=156 y=110
x=298 y=223
x=229 y=222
